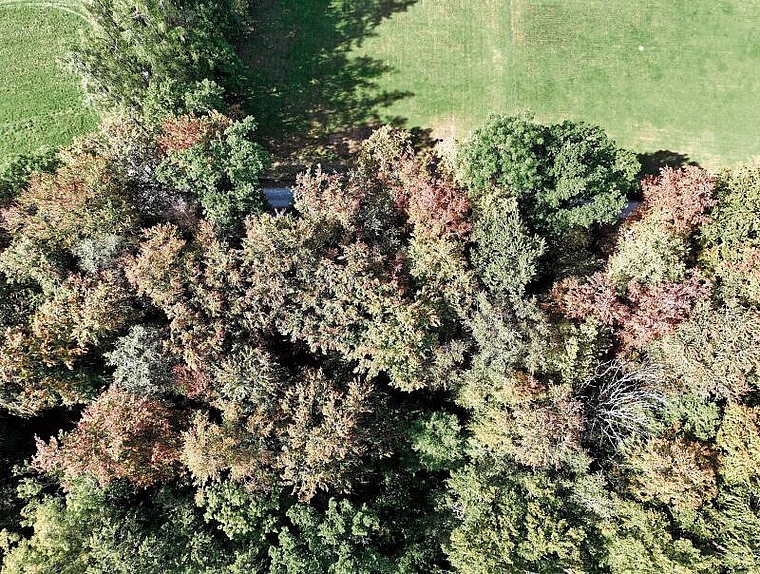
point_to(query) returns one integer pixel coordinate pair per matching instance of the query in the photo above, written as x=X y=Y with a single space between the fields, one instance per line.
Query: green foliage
x=221 y=171
x=695 y=415
x=507 y=152
x=590 y=177
x=731 y=239
x=437 y=440
x=639 y=540
x=335 y=542
x=734 y=522
x=647 y=253
x=506 y=255
x=734 y=221
x=675 y=472
x=536 y=528
x=714 y=353
x=737 y=442
x=241 y=515
x=155 y=59
x=109 y=531
x=563 y=176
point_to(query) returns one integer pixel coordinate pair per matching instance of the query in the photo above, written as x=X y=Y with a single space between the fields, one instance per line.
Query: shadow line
x=308 y=94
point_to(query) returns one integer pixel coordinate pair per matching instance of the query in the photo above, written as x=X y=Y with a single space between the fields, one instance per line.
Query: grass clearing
x=40 y=104
x=679 y=75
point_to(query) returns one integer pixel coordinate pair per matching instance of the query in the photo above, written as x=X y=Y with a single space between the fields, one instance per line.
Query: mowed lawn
x=678 y=75
x=40 y=104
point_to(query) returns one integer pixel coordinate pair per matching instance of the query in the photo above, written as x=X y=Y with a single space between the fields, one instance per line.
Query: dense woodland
x=440 y=360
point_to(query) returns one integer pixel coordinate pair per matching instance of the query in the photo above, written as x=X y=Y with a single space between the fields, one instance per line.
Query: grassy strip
x=40 y=104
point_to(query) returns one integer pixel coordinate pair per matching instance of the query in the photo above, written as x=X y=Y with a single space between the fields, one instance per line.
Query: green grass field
x=678 y=75
x=39 y=103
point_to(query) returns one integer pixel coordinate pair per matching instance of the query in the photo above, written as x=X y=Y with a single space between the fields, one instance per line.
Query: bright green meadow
x=678 y=75
x=40 y=104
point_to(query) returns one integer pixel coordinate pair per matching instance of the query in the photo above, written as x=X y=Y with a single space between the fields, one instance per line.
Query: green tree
x=563 y=175
x=731 y=239
x=157 y=58
x=216 y=161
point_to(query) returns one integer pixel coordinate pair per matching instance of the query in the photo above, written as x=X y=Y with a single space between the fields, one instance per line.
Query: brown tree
x=120 y=436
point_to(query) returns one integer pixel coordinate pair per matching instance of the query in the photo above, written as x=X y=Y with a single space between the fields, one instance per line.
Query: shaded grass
x=307 y=95
x=453 y=55
x=40 y=104
x=692 y=89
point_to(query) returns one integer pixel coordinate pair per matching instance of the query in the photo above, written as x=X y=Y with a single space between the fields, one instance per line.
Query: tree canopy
x=431 y=363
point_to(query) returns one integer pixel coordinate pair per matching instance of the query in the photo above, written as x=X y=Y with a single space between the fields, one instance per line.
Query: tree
x=141 y=366
x=714 y=353
x=189 y=281
x=675 y=472
x=536 y=525
x=506 y=255
x=536 y=425
x=325 y=438
x=52 y=356
x=157 y=58
x=119 y=436
x=737 y=443
x=678 y=199
x=654 y=245
x=215 y=160
x=112 y=530
x=437 y=439
x=620 y=401
x=85 y=199
x=658 y=309
x=563 y=176
x=731 y=241
x=646 y=252
x=83 y=314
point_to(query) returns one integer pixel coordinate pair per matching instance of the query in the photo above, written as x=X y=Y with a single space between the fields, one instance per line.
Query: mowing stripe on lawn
x=40 y=104
x=681 y=75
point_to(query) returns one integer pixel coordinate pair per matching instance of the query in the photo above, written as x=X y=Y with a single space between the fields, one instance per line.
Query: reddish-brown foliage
x=119 y=436
x=188 y=130
x=434 y=205
x=658 y=309
x=648 y=311
x=596 y=298
x=678 y=198
x=190 y=283
x=85 y=198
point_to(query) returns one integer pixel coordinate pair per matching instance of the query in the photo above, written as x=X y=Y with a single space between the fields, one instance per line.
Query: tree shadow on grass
x=653 y=162
x=309 y=95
